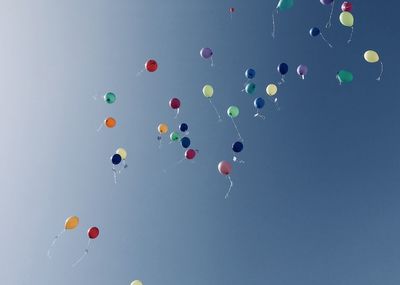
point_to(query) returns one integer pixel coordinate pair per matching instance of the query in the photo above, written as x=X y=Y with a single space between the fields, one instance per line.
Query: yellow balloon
x=162 y=128
x=122 y=152
x=208 y=91
x=371 y=56
x=347 y=19
x=71 y=223
x=137 y=282
x=271 y=89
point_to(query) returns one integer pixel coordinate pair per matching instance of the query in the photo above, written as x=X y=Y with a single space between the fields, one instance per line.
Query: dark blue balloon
x=259 y=103
x=116 y=159
x=237 y=146
x=250 y=73
x=185 y=142
x=283 y=68
x=314 y=32
x=183 y=127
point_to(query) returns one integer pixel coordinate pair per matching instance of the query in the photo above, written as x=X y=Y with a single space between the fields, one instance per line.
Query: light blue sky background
x=315 y=203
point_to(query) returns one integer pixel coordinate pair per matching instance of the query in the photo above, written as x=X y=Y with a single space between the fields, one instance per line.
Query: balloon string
x=100 y=127
x=124 y=166
x=338 y=78
x=273 y=25
x=302 y=77
x=234 y=124
x=177 y=113
x=325 y=40
x=380 y=75
x=54 y=242
x=235 y=159
x=230 y=187
x=282 y=80
x=351 y=35
x=173 y=165
x=140 y=72
x=114 y=174
x=329 y=24
x=212 y=61
x=259 y=115
x=216 y=110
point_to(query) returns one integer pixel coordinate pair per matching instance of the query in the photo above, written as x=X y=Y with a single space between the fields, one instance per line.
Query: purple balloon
x=206 y=52
x=326 y=2
x=302 y=70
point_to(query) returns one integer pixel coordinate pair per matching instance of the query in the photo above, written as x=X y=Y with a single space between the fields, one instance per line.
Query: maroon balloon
x=174 y=103
x=206 y=52
x=151 y=65
x=224 y=167
x=190 y=153
x=231 y=10
x=93 y=232
x=347 y=7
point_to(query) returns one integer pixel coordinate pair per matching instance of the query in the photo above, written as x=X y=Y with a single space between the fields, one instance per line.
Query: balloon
x=344 y=76
x=93 y=232
x=190 y=153
x=174 y=103
x=110 y=122
x=259 y=103
x=71 y=223
x=110 y=97
x=162 y=128
x=233 y=111
x=326 y=2
x=346 y=6
x=231 y=10
x=314 y=32
x=185 y=142
x=371 y=56
x=183 y=127
x=174 y=136
x=250 y=88
x=302 y=70
x=283 y=68
x=285 y=4
x=271 y=89
x=237 y=146
x=136 y=282
x=347 y=19
x=250 y=73
x=122 y=152
x=116 y=159
x=224 y=167
x=208 y=91
x=206 y=53
x=151 y=65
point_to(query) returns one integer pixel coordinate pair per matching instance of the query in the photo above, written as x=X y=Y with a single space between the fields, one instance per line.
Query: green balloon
x=344 y=76
x=174 y=136
x=233 y=111
x=110 y=97
x=250 y=88
x=285 y=4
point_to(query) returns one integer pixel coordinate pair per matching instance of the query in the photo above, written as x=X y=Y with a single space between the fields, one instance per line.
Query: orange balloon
x=110 y=122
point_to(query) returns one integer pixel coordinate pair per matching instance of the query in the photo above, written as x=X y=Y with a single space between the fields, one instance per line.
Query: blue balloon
x=183 y=127
x=259 y=103
x=250 y=73
x=314 y=32
x=185 y=142
x=237 y=146
x=283 y=68
x=116 y=159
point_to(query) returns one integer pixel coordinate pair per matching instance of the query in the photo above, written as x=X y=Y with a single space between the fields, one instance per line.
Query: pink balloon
x=224 y=167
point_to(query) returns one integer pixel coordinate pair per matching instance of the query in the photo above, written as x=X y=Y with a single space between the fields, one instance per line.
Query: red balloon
x=347 y=7
x=190 y=153
x=151 y=65
x=93 y=232
x=174 y=103
x=231 y=10
x=224 y=167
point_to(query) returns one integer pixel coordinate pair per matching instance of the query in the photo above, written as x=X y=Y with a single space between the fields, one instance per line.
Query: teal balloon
x=344 y=76
x=285 y=4
x=110 y=97
x=250 y=88
x=233 y=111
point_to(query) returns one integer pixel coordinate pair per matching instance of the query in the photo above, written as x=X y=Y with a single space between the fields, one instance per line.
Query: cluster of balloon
x=119 y=156
x=237 y=147
x=346 y=18
x=92 y=233
x=208 y=92
x=327 y=3
x=372 y=56
x=302 y=70
x=150 y=65
x=271 y=91
x=70 y=224
x=175 y=103
x=207 y=53
x=231 y=11
x=282 y=68
x=314 y=32
x=225 y=168
x=162 y=130
x=233 y=112
x=344 y=76
x=283 y=5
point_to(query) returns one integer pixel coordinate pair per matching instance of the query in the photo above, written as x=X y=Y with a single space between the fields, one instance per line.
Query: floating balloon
x=282 y=6
x=151 y=65
x=259 y=104
x=110 y=122
x=271 y=89
x=116 y=159
x=183 y=127
x=250 y=88
x=175 y=103
x=174 y=136
x=302 y=70
x=207 y=53
x=372 y=56
x=344 y=76
x=231 y=10
x=162 y=128
x=233 y=111
x=190 y=153
x=346 y=6
x=136 y=282
x=70 y=223
x=92 y=233
x=332 y=3
x=314 y=32
x=208 y=91
x=237 y=146
x=225 y=169
x=282 y=68
x=250 y=73
x=347 y=19
x=110 y=97
x=123 y=153
x=185 y=142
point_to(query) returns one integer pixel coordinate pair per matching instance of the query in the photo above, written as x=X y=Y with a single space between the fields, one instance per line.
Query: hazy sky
x=316 y=201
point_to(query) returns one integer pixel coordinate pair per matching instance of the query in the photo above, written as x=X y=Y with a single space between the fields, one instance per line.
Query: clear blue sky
x=315 y=203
